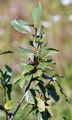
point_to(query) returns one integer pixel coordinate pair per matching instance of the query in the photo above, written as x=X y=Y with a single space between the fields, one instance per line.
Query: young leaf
x=40 y=104
x=21 y=26
x=52 y=52
x=37 y=13
x=44 y=38
x=10 y=104
x=43 y=52
x=24 y=79
x=30 y=96
x=17 y=79
x=21 y=82
x=24 y=52
x=28 y=77
x=26 y=67
x=40 y=31
x=42 y=65
x=38 y=73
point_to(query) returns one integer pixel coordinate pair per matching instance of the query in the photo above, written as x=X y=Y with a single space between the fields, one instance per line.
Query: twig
x=20 y=103
x=6 y=52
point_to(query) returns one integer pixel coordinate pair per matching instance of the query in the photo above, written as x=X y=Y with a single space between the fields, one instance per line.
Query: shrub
x=38 y=72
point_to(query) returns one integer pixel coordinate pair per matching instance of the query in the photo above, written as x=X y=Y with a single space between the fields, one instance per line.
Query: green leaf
x=17 y=79
x=46 y=115
x=50 y=69
x=39 y=116
x=62 y=92
x=37 y=13
x=30 y=96
x=21 y=79
x=28 y=77
x=24 y=79
x=8 y=69
x=26 y=67
x=44 y=38
x=5 y=80
x=24 y=52
x=40 y=31
x=42 y=89
x=42 y=65
x=40 y=104
x=43 y=115
x=9 y=90
x=43 y=52
x=31 y=43
x=10 y=104
x=46 y=76
x=38 y=73
x=52 y=92
x=50 y=62
x=52 y=52
x=7 y=74
x=21 y=26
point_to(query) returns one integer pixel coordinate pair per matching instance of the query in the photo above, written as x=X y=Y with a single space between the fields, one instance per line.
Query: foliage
x=5 y=81
x=38 y=74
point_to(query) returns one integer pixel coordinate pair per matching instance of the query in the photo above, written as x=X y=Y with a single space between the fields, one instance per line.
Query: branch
x=19 y=105
x=21 y=101
x=6 y=52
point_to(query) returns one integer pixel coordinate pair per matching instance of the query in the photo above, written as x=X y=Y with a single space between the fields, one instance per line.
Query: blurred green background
x=57 y=19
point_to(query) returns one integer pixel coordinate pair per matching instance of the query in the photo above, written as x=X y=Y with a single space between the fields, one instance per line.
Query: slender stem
x=6 y=52
x=19 y=105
